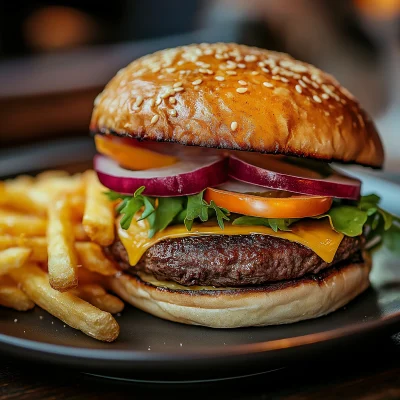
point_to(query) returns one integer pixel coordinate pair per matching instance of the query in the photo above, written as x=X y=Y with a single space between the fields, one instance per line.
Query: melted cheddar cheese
x=317 y=235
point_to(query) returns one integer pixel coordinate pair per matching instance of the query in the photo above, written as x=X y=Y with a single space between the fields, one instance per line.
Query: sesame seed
x=197 y=82
x=261 y=64
x=276 y=78
x=234 y=126
x=267 y=84
x=241 y=90
x=302 y=83
x=219 y=56
x=139 y=101
x=179 y=89
x=172 y=100
x=231 y=65
x=298 y=88
x=219 y=78
x=155 y=70
x=182 y=72
x=325 y=96
x=181 y=62
x=208 y=52
x=203 y=70
x=266 y=70
x=306 y=79
x=242 y=66
x=170 y=70
x=178 y=84
x=275 y=70
x=315 y=85
x=165 y=95
x=231 y=72
x=250 y=58
x=151 y=102
x=238 y=58
x=210 y=72
x=158 y=101
x=154 y=119
x=317 y=99
x=283 y=79
x=254 y=72
x=243 y=83
x=172 y=112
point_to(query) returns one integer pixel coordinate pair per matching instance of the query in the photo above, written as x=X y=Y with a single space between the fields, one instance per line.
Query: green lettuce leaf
x=167 y=209
x=197 y=207
x=277 y=224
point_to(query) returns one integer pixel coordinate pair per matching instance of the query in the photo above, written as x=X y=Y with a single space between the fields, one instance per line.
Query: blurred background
x=55 y=56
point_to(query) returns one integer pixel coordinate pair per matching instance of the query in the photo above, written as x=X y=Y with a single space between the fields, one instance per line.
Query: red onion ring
x=336 y=185
x=184 y=178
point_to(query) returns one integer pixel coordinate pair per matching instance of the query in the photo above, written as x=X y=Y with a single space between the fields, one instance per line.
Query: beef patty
x=238 y=260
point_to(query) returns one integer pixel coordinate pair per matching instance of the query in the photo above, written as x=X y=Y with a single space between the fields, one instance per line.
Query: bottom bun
x=277 y=303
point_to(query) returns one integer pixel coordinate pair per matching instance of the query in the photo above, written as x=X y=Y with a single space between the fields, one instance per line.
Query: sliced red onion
x=184 y=178
x=335 y=185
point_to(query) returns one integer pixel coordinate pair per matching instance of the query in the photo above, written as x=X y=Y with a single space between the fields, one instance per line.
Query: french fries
x=18 y=197
x=92 y=258
x=13 y=258
x=62 y=259
x=98 y=217
x=17 y=224
x=96 y=295
x=70 y=309
x=59 y=222
x=90 y=254
x=38 y=245
x=13 y=297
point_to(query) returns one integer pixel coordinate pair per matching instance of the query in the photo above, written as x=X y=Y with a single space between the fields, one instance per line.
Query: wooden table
x=372 y=373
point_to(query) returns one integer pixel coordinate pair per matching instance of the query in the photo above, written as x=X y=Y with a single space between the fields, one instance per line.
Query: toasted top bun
x=237 y=97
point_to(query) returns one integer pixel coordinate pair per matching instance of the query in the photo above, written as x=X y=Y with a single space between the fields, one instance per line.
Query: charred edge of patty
x=194 y=261
x=269 y=287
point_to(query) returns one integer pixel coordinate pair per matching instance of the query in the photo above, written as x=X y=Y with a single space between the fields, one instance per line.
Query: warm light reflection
x=382 y=9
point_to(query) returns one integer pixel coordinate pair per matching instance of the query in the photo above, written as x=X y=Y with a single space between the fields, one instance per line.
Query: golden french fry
x=38 y=245
x=18 y=197
x=13 y=297
x=98 y=217
x=90 y=254
x=77 y=204
x=12 y=258
x=79 y=233
x=72 y=310
x=62 y=260
x=19 y=224
x=30 y=225
x=60 y=182
x=91 y=257
x=97 y=296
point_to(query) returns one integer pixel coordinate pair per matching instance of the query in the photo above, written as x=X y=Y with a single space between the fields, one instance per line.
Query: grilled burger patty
x=238 y=260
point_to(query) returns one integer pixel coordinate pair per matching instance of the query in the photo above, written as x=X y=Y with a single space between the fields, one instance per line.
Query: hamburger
x=218 y=158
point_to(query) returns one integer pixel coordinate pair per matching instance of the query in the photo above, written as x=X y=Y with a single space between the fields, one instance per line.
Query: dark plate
x=153 y=349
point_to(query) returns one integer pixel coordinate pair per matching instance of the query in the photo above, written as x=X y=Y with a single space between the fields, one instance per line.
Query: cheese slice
x=317 y=235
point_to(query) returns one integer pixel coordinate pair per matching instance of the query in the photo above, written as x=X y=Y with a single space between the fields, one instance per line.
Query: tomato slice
x=269 y=207
x=132 y=157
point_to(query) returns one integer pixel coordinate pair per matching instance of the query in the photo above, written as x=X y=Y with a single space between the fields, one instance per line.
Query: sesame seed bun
x=279 y=303
x=237 y=97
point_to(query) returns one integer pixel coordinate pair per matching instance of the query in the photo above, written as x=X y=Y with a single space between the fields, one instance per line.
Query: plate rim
x=225 y=351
